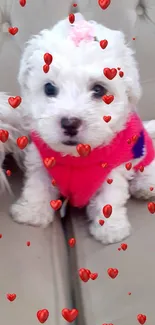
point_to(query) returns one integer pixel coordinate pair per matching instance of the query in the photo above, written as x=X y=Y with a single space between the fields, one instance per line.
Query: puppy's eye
x=50 y=89
x=98 y=91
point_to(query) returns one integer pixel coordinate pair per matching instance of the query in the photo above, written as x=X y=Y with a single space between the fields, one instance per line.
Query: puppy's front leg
x=33 y=207
x=117 y=226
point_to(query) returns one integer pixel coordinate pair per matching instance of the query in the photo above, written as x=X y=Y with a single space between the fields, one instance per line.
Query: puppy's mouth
x=70 y=143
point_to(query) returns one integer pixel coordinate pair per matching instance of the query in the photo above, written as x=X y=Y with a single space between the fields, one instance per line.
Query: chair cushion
x=106 y=300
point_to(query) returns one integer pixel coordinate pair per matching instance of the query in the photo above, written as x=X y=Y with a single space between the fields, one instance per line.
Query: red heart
x=141 y=168
x=8 y=172
x=48 y=58
x=112 y=272
x=108 y=99
x=103 y=43
x=141 y=318
x=110 y=73
x=72 y=242
x=124 y=246
x=69 y=315
x=121 y=74
x=104 y=4
x=128 y=166
x=56 y=204
x=22 y=3
x=71 y=18
x=109 y=180
x=93 y=276
x=49 y=162
x=14 y=101
x=101 y=222
x=83 y=149
x=107 y=210
x=11 y=296
x=22 y=142
x=54 y=182
x=119 y=249
x=151 y=207
x=0 y=235
x=84 y=275
x=74 y=4
x=129 y=293
x=28 y=243
x=13 y=30
x=4 y=135
x=42 y=315
x=151 y=188
x=107 y=118
x=46 y=68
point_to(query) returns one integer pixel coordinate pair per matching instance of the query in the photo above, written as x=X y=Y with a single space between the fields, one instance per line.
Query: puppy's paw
x=111 y=232
x=22 y=212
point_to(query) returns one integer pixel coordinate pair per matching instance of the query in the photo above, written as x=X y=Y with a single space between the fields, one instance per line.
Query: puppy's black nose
x=70 y=125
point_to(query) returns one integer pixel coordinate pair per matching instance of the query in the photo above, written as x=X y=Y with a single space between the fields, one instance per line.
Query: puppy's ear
x=129 y=66
x=123 y=55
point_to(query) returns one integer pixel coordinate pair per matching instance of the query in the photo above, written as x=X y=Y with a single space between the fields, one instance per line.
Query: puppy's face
x=65 y=105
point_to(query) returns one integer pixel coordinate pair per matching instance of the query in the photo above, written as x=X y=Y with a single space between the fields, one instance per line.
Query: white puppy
x=65 y=107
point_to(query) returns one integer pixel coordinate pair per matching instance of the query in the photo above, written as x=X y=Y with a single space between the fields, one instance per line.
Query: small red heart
x=56 y=204
x=151 y=207
x=110 y=73
x=13 y=30
x=69 y=315
x=104 y=165
x=101 y=222
x=83 y=149
x=48 y=58
x=46 y=68
x=74 y=4
x=49 y=162
x=128 y=166
x=119 y=249
x=22 y=3
x=0 y=235
x=124 y=246
x=109 y=180
x=151 y=188
x=4 y=134
x=134 y=138
x=107 y=210
x=28 y=243
x=54 y=182
x=118 y=68
x=141 y=168
x=42 y=315
x=11 y=296
x=22 y=142
x=93 y=276
x=8 y=172
x=121 y=74
x=134 y=38
x=71 y=18
x=14 y=101
x=112 y=272
x=108 y=99
x=84 y=275
x=72 y=242
x=103 y=43
x=129 y=293
x=107 y=118
x=141 y=318
x=104 y=4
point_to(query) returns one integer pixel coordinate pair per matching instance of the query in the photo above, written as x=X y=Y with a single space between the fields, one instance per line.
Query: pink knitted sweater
x=78 y=178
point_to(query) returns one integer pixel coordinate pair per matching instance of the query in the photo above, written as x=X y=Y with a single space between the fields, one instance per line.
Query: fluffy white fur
x=74 y=70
